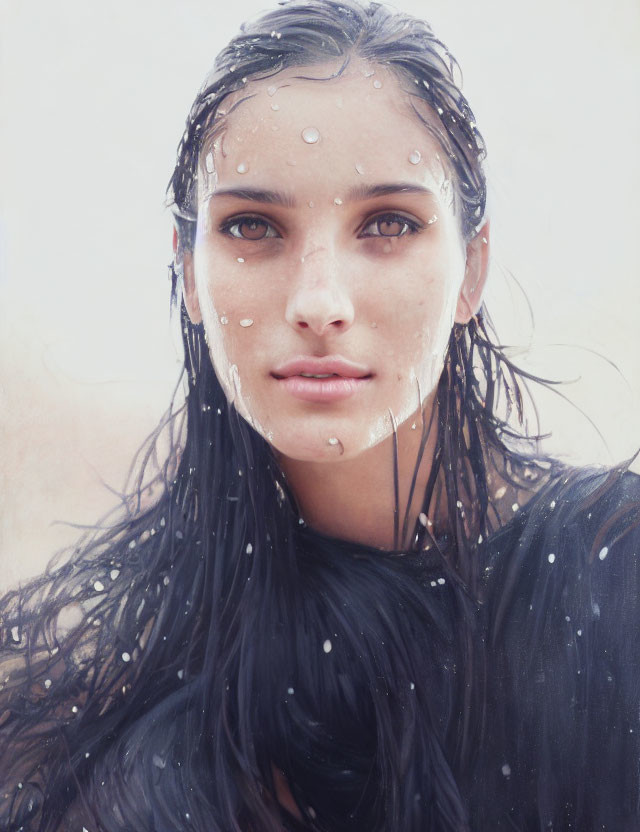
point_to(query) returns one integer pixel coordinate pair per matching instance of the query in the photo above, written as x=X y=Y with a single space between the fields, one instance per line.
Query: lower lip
x=322 y=389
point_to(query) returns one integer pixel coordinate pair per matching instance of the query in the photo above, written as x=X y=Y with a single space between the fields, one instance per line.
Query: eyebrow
x=356 y=194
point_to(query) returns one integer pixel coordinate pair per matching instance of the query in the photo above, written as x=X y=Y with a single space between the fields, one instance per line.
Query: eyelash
x=411 y=227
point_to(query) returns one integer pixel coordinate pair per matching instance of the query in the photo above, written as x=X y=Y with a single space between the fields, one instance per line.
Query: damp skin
x=320 y=266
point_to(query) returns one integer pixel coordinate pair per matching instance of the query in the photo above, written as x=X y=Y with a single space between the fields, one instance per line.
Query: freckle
x=246 y=322
x=209 y=162
x=414 y=157
x=359 y=169
x=243 y=167
x=377 y=84
x=337 y=201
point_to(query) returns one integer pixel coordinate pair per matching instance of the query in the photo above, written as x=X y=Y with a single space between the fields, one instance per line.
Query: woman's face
x=327 y=244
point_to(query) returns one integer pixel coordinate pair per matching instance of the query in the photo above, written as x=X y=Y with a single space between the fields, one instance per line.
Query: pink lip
x=322 y=389
x=329 y=364
x=348 y=377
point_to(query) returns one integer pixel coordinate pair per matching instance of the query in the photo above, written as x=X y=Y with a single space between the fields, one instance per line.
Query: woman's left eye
x=390 y=225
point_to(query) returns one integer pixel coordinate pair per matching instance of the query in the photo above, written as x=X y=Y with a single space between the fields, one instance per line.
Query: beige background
x=94 y=97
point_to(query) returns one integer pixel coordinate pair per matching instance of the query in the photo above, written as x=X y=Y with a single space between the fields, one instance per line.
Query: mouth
x=323 y=388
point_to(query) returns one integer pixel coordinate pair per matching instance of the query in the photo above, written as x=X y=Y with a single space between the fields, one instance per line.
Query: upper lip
x=319 y=366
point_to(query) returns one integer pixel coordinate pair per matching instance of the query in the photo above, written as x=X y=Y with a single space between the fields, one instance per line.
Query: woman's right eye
x=248 y=228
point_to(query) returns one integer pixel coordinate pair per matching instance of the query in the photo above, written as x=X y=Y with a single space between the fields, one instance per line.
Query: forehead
x=315 y=133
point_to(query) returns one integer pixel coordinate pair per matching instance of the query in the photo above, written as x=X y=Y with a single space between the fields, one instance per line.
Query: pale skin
x=324 y=277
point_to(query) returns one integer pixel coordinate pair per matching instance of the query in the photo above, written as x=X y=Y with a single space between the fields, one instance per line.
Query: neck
x=355 y=499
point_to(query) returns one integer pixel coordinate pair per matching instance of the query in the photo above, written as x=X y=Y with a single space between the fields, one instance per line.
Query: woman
x=364 y=599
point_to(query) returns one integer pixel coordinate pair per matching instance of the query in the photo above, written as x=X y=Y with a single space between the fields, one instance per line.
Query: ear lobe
x=475 y=276
x=190 y=293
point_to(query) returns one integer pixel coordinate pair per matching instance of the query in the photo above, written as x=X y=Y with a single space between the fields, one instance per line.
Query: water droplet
x=515 y=507
x=412 y=686
x=98 y=586
x=369 y=72
x=440 y=110
x=114 y=574
x=432 y=219
x=74 y=709
x=501 y=492
x=485 y=241
x=209 y=162
x=415 y=156
x=552 y=504
x=310 y=135
x=333 y=440
x=458 y=504
x=377 y=84
x=422 y=517
x=603 y=552
x=126 y=657
x=310 y=204
x=480 y=538
x=551 y=558
x=275 y=107
x=240 y=259
x=433 y=583
x=506 y=770
x=243 y=167
x=290 y=691
x=414 y=426
x=224 y=319
x=272 y=90
x=181 y=674
x=579 y=632
x=166 y=581
x=441 y=581
x=158 y=761
x=327 y=645
x=249 y=548
x=246 y=322
x=337 y=201
x=359 y=169
x=47 y=683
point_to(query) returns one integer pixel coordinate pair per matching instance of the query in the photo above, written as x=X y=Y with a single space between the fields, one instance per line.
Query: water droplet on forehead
x=415 y=156
x=243 y=167
x=275 y=106
x=377 y=84
x=209 y=162
x=246 y=322
x=310 y=135
x=359 y=169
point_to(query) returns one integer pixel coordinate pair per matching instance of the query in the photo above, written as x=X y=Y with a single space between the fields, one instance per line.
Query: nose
x=319 y=299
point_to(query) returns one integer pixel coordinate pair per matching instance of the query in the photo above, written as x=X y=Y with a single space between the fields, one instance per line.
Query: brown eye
x=248 y=228
x=390 y=225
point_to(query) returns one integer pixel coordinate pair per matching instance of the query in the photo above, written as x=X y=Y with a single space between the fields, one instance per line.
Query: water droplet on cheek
x=310 y=135
x=209 y=162
x=246 y=322
x=240 y=259
x=224 y=320
x=414 y=157
x=243 y=167
x=337 y=201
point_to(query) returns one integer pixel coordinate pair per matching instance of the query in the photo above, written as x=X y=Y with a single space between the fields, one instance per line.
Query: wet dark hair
x=155 y=678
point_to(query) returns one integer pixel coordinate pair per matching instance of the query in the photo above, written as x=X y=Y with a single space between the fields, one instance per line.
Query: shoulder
x=563 y=617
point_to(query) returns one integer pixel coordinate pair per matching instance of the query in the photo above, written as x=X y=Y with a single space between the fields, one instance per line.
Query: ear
x=190 y=293
x=475 y=276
